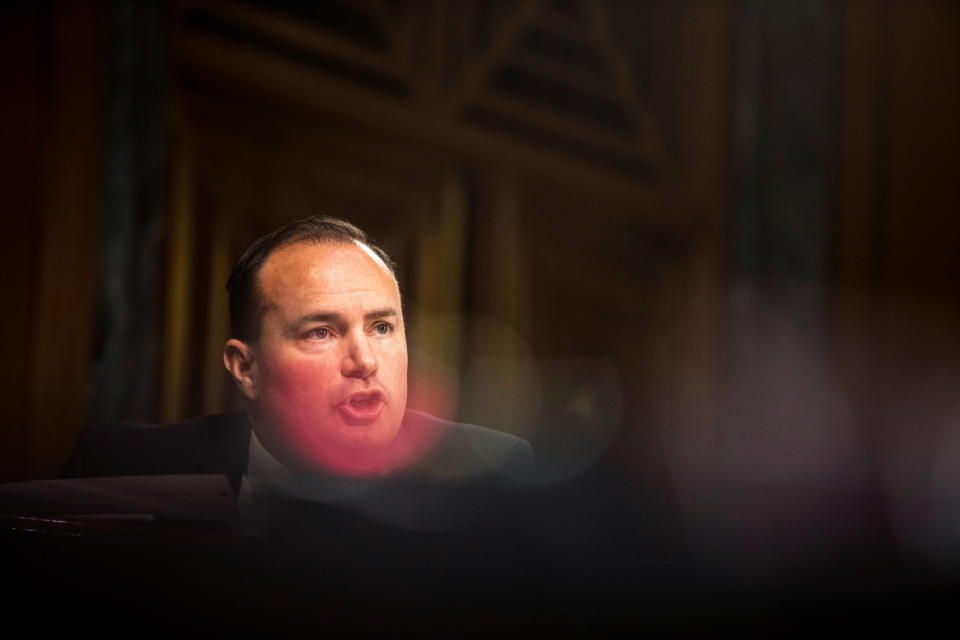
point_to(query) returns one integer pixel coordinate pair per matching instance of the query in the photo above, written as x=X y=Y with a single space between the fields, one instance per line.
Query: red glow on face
x=332 y=364
x=359 y=433
x=320 y=420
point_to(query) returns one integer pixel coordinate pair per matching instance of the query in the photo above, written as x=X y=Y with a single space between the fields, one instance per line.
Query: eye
x=320 y=333
x=383 y=328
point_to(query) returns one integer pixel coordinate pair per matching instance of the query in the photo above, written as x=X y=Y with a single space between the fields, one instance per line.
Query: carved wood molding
x=544 y=79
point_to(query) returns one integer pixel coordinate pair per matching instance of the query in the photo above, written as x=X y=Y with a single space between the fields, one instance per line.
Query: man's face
x=330 y=364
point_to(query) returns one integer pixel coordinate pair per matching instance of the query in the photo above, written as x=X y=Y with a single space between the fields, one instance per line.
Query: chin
x=352 y=450
x=373 y=436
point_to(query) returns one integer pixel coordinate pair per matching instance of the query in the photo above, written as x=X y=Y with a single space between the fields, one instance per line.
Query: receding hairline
x=344 y=242
x=263 y=306
x=244 y=285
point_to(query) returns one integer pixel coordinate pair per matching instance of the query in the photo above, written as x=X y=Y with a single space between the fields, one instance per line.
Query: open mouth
x=363 y=401
x=363 y=406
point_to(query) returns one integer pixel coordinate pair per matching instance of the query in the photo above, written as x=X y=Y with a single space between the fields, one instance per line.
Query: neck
x=414 y=440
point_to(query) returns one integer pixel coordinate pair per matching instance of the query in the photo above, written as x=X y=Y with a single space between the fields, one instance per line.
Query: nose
x=360 y=361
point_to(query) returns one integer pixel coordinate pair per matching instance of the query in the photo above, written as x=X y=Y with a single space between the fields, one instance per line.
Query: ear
x=240 y=361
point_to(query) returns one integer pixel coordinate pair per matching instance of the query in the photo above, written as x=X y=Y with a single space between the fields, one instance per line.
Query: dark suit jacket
x=321 y=562
x=326 y=561
x=219 y=444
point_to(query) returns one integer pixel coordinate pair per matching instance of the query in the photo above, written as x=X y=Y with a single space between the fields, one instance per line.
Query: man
x=374 y=515
x=318 y=350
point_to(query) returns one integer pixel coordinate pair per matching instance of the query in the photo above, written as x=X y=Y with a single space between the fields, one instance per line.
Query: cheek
x=396 y=363
x=297 y=377
x=295 y=395
x=294 y=407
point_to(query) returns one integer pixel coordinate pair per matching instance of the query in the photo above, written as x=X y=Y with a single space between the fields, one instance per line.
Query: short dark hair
x=243 y=285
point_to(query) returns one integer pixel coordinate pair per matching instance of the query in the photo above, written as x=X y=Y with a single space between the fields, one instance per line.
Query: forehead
x=306 y=273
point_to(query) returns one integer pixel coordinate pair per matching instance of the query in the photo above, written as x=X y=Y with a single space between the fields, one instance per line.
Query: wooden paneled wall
x=51 y=119
x=897 y=264
x=527 y=209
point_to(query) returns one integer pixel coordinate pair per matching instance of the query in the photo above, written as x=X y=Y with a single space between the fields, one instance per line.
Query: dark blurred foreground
x=325 y=570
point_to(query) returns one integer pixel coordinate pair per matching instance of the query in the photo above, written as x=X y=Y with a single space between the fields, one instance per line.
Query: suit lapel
x=226 y=448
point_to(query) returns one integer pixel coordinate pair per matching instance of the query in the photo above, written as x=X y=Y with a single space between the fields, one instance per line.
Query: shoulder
x=468 y=448
x=137 y=448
